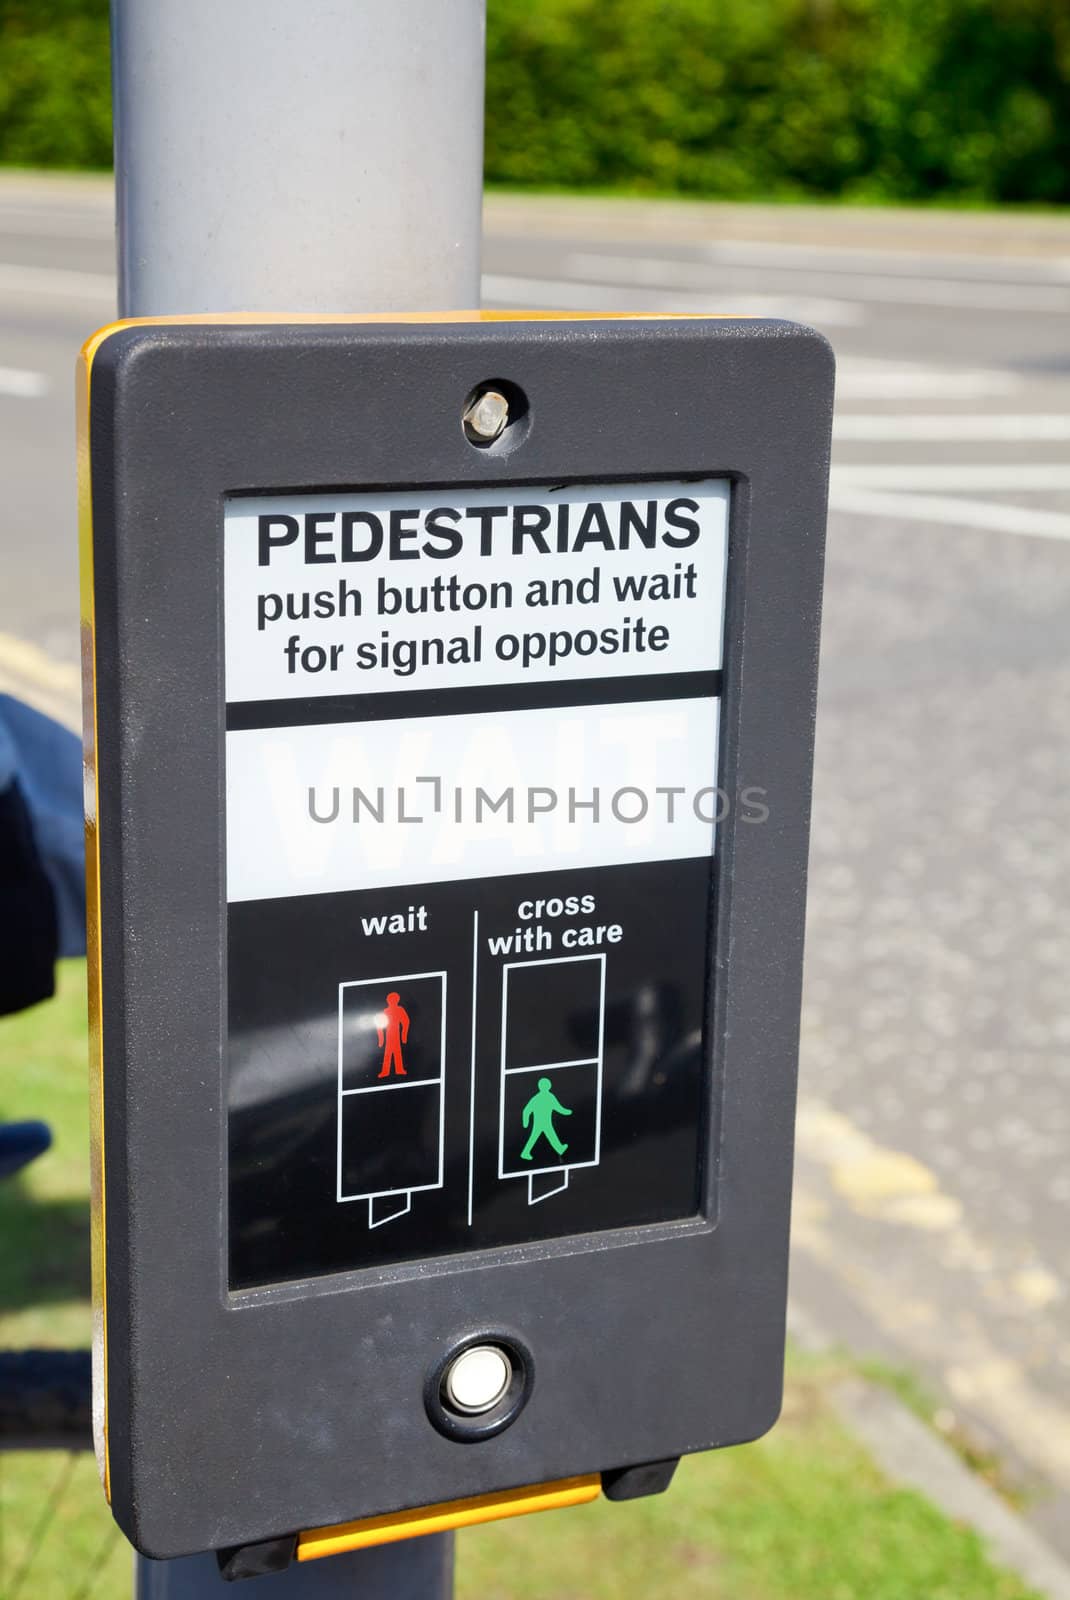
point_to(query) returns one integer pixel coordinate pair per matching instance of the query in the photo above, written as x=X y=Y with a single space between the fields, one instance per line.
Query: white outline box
x=596 y=1061
x=393 y=980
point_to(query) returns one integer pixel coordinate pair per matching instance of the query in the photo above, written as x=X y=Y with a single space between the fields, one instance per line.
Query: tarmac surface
x=933 y=1194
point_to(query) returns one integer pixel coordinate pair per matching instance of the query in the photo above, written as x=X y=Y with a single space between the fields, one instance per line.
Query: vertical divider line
x=441 y=1089
x=341 y=1049
x=472 y=1068
x=600 y=1072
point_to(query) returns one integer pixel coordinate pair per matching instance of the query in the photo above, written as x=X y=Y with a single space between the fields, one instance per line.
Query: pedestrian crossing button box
x=448 y=795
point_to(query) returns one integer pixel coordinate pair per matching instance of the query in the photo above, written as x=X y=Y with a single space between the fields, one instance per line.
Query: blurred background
x=895 y=172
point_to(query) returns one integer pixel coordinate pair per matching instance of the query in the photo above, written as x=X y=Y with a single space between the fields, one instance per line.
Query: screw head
x=487 y=416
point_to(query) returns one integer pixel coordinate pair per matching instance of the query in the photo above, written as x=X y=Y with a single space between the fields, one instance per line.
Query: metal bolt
x=488 y=414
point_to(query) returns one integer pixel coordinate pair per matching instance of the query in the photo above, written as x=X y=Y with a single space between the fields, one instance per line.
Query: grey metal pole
x=418 y=1569
x=300 y=155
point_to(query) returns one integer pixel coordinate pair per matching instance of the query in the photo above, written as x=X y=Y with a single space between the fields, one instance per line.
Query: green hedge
x=55 y=94
x=890 y=99
x=898 y=99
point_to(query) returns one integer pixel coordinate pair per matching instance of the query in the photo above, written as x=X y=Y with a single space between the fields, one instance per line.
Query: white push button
x=478 y=1379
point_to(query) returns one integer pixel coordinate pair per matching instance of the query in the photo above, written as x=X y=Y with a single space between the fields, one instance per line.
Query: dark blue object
x=42 y=762
x=21 y=1143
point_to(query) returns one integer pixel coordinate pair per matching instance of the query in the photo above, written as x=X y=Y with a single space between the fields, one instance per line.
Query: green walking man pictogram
x=540 y=1112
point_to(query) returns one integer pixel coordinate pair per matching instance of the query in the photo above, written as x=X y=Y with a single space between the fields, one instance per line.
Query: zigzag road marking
x=965 y=477
x=1021 y=427
x=986 y=516
x=22 y=385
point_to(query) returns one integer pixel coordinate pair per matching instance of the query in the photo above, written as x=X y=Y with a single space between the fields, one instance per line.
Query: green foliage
x=59 y=1540
x=865 y=99
x=55 y=89
x=802 y=1515
x=44 y=1211
x=888 y=99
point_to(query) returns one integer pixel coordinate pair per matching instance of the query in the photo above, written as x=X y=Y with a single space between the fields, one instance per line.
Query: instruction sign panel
x=472 y=804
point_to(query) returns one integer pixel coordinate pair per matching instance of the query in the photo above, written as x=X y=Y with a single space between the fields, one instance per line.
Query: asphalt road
x=933 y=1198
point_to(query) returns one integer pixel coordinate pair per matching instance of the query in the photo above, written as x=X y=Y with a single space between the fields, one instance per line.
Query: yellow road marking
x=51 y=686
x=890 y=1187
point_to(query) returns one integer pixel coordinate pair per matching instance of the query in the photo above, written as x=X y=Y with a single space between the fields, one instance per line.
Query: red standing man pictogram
x=392 y=1031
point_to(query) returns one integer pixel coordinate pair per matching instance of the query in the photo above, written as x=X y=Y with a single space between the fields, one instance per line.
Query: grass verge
x=802 y=1515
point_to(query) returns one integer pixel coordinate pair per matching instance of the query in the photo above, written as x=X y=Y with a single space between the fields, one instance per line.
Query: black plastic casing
x=235 y=1417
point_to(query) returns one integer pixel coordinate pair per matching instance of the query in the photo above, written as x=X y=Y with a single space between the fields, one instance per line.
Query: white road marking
x=901 y=380
x=562 y=294
x=59 y=281
x=1020 y=477
x=979 y=514
x=954 y=293
x=23 y=385
x=1002 y=269
x=1021 y=426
